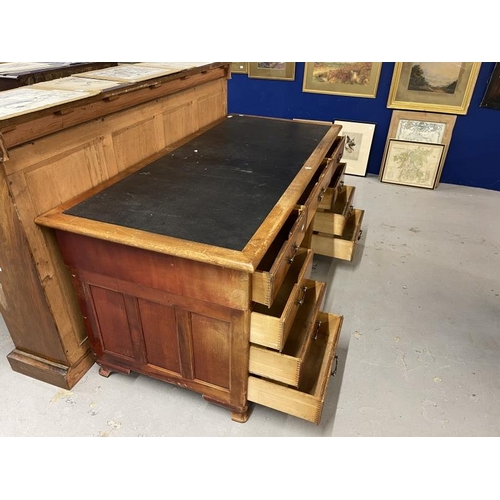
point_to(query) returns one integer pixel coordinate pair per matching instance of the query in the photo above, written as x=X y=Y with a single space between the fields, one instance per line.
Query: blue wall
x=473 y=157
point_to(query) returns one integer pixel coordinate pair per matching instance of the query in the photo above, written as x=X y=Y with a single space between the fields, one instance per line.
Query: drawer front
x=337 y=150
x=336 y=184
x=269 y=327
x=334 y=221
x=318 y=192
x=331 y=223
x=307 y=401
x=340 y=247
x=267 y=279
x=287 y=366
x=343 y=202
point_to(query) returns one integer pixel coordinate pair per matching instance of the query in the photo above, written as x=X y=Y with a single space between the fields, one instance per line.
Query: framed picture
x=357 y=79
x=358 y=143
x=444 y=87
x=418 y=126
x=272 y=70
x=412 y=163
x=491 y=98
x=239 y=67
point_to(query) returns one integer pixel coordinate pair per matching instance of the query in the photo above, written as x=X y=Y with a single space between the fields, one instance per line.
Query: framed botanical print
x=491 y=98
x=358 y=143
x=239 y=67
x=357 y=79
x=272 y=70
x=444 y=87
x=412 y=163
x=417 y=126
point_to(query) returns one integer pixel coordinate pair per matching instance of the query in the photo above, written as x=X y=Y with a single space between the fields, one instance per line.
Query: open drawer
x=340 y=247
x=316 y=189
x=274 y=266
x=307 y=401
x=269 y=327
x=287 y=366
x=336 y=184
x=334 y=221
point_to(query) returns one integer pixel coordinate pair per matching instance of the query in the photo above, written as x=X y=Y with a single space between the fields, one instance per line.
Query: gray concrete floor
x=418 y=354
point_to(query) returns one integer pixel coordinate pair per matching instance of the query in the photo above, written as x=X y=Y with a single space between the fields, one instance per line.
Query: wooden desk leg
x=105 y=372
x=241 y=417
x=238 y=415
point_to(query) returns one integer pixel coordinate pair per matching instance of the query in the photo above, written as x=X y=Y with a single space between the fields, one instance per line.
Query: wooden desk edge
x=177 y=247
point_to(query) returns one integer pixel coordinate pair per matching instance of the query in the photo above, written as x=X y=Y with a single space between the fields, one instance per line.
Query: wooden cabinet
x=195 y=268
x=54 y=154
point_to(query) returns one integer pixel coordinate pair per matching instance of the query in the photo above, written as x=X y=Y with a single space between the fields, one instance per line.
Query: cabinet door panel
x=112 y=321
x=211 y=349
x=160 y=335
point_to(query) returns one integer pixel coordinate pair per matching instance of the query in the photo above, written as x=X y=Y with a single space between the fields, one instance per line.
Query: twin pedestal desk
x=195 y=268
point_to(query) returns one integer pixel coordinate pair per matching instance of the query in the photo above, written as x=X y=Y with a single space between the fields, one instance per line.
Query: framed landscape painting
x=412 y=163
x=358 y=143
x=444 y=87
x=417 y=126
x=272 y=70
x=491 y=98
x=356 y=79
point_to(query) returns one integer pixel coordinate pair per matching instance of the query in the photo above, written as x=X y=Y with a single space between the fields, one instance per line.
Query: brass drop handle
x=351 y=208
x=304 y=293
x=317 y=330
x=322 y=194
x=294 y=253
x=334 y=371
x=341 y=184
x=360 y=233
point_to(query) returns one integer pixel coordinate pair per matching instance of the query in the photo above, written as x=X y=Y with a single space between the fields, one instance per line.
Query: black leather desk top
x=216 y=189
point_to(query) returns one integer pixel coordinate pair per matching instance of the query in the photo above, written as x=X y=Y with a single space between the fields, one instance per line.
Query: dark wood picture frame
x=491 y=97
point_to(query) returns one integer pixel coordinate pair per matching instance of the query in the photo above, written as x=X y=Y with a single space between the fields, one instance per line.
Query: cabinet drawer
x=337 y=149
x=322 y=182
x=334 y=221
x=316 y=189
x=269 y=327
x=287 y=366
x=340 y=247
x=307 y=401
x=272 y=269
x=336 y=184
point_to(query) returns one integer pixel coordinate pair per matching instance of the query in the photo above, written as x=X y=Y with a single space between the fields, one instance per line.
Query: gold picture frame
x=440 y=87
x=239 y=67
x=410 y=163
x=420 y=126
x=272 y=70
x=342 y=78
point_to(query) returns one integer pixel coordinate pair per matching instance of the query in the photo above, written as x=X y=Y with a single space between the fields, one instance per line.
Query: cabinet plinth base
x=47 y=371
